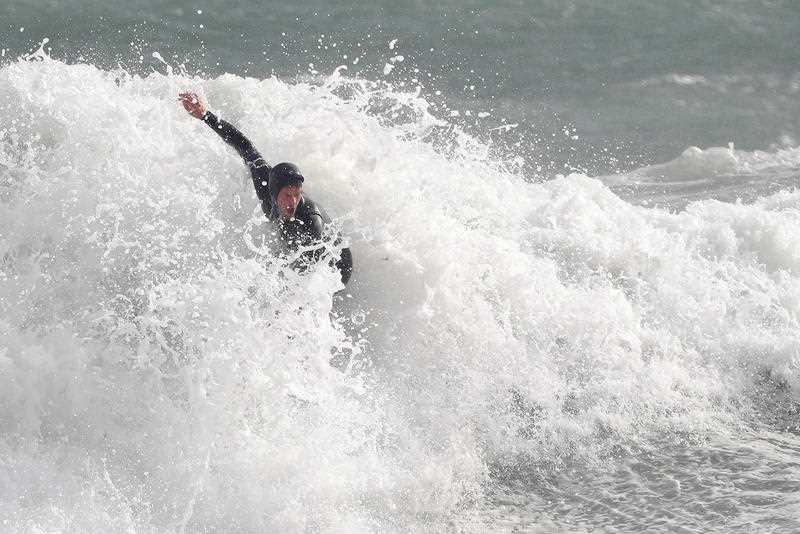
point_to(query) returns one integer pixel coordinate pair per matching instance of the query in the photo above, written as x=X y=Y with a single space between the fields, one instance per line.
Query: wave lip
x=714 y=173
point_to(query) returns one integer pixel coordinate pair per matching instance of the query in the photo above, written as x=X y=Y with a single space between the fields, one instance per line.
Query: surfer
x=300 y=222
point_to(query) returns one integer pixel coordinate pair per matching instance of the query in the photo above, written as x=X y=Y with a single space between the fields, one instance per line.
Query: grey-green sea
x=576 y=297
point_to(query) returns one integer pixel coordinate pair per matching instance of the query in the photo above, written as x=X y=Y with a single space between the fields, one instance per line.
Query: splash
x=164 y=372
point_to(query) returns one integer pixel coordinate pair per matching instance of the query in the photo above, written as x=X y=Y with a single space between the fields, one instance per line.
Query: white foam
x=158 y=374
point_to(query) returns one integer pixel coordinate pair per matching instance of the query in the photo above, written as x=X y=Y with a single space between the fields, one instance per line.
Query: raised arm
x=259 y=168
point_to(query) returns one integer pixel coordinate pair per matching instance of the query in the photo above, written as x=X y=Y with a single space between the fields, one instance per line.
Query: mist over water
x=606 y=351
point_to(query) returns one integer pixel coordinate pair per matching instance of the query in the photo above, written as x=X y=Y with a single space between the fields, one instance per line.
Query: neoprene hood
x=281 y=175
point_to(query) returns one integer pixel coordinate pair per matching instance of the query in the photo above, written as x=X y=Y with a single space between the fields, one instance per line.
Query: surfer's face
x=288 y=199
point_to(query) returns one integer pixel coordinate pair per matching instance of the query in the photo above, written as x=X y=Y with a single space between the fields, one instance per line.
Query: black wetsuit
x=308 y=225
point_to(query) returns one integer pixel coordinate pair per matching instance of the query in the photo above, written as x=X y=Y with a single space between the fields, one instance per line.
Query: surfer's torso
x=307 y=227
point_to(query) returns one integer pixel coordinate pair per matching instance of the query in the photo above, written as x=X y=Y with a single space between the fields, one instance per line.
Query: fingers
x=192 y=103
x=189 y=97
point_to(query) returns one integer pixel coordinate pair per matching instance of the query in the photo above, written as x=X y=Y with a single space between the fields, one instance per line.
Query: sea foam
x=162 y=371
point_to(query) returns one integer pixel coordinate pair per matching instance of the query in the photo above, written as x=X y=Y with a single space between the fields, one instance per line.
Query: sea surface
x=576 y=303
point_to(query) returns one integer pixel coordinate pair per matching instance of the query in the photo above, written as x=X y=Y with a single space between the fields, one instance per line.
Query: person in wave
x=300 y=222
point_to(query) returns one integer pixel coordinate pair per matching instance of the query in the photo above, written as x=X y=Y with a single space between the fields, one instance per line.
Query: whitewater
x=576 y=354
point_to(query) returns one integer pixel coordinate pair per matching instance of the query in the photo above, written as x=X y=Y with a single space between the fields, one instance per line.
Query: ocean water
x=575 y=308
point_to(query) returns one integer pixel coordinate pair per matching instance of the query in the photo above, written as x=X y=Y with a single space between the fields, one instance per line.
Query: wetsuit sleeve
x=259 y=168
x=319 y=220
x=345 y=265
x=317 y=225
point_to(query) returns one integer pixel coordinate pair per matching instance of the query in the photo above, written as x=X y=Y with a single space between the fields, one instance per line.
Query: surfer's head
x=286 y=188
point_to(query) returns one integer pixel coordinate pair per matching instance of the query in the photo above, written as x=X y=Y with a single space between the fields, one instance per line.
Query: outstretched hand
x=193 y=104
